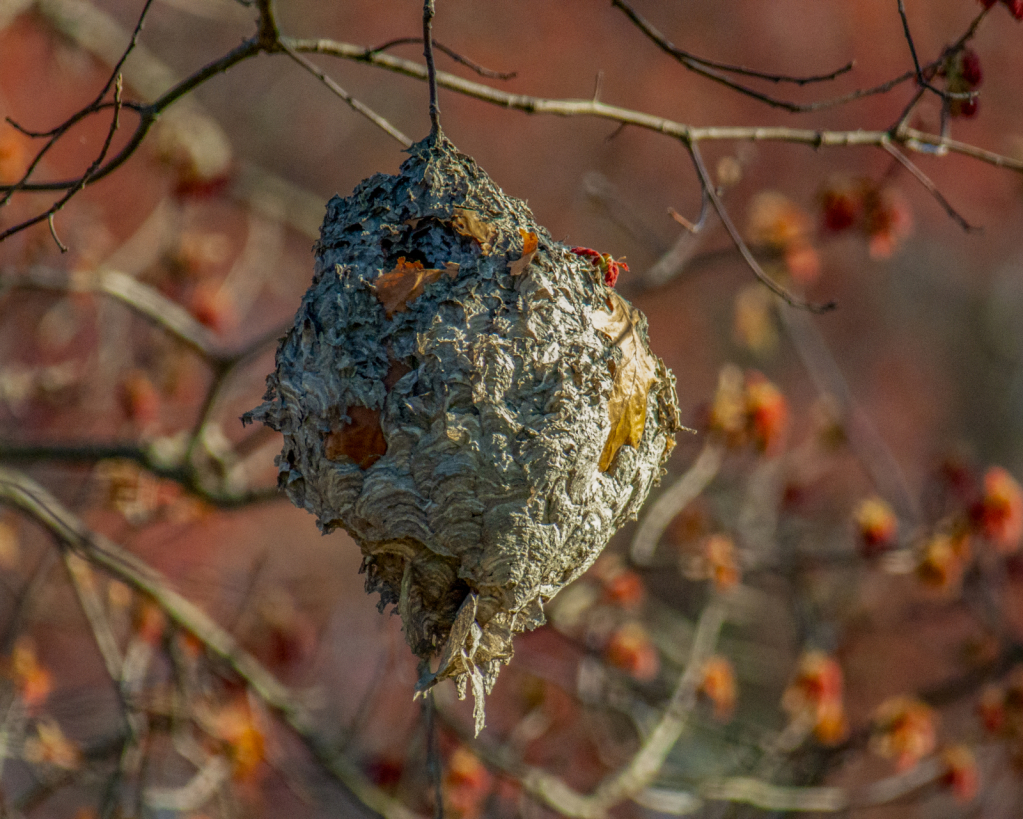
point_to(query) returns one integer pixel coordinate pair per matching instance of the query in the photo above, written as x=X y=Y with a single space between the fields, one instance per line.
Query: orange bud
x=625 y=588
x=631 y=649
x=466 y=783
x=943 y=560
x=13 y=156
x=991 y=708
x=775 y=221
x=768 y=412
x=150 y=622
x=877 y=526
x=816 y=695
x=961 y=775
x=235 y=724
x=140 y=399
x=803 y=262
x=832 y=726
x=717 y=683
x=728 y=410
x=841 y=204
x=31 y=680
x=212 y=306
x=191 y=646
x=999 y=513
x=722 y=565
x=904 y=729
x=753 y=325
x=888 y=221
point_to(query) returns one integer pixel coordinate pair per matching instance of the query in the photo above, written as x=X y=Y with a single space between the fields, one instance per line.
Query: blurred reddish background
x=929 y=339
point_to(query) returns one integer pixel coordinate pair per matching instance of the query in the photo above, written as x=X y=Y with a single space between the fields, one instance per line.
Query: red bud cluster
x=717 y=684
x=904 y=730
x=631 y=649
x=816 y=696
x=877 y=526
x=749 y=408
x=604 y=263
x=880 y=213
x=1000 y=708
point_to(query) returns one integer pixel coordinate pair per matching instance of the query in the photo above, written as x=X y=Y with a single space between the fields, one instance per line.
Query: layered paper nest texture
x=470 y=401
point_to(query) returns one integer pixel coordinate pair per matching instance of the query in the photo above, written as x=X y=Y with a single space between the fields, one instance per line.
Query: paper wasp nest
x=470 y=401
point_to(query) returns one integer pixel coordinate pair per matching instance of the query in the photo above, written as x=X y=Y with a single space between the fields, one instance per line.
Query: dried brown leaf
x=529 y=246
x=362 y=440
x=406 y=283
x=468 y=223
x=633 y=377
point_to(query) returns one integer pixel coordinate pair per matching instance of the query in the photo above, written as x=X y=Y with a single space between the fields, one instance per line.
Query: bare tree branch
x=740 y=243
x=910 y=138
x=454 y=55
x=672 y=500
x=714 y=70
x=931 y=188
x=351 y=101
x=23 y=493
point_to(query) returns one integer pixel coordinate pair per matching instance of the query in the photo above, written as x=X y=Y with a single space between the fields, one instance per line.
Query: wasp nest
x=470 y=401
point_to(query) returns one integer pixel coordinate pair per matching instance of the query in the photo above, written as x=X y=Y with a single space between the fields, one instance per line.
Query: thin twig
x=56 y=133
x=713 y=70
x=644 y=766
x=701 y=219
x=931 y=188
x=84 y=583
x=53 y=233
x=80 y=183
x=431 y=67
x=153 y=306
x=454 y=55
x=740 y=243
x=149 y=458
x=910 y=138
x=352 y=102
x=433 y=761
x=912 y=46
x=673 y=500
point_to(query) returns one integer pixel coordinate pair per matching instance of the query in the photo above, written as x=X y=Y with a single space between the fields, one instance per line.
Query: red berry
x=968 y=108
x=969 y=64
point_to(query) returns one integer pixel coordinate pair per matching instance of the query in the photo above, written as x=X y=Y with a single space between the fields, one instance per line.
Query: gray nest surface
x=470 y=402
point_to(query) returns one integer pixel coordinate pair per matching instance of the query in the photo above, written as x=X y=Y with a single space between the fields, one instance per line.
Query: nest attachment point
x=470 y=401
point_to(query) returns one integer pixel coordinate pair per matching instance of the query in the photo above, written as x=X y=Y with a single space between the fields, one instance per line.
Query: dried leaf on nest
x=529 y=246
x=362 y=440
x=468 y=223
x=634 y=375
x=406 y=283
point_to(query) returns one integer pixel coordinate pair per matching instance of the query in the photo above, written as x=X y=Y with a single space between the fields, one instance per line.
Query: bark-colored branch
x=631 y=781
x=710 y=189
x=76 y=452
x=909 y=138
x=151 y=305
x=21 y=492
x=672 y=500
x=718 y=72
